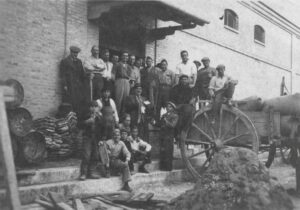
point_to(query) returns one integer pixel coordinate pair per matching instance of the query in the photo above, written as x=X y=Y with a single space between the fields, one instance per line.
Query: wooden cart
x=233 y=127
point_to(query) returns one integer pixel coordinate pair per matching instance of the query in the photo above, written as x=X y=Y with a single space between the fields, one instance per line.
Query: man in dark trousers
x=91 y=136
x=221 y=89
x=167 y=133
x=182 y=96
x=204 y=76
x=109 y=113
x=135 y=105
x=74 y=82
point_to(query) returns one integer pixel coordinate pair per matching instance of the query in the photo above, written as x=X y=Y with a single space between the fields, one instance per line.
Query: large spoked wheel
x=231 y=128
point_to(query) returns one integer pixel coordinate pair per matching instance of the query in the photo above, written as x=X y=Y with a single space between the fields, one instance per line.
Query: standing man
x=166 y=80
x=108 y=77
x=149 y=80
x=73 y=82
x=182 y=96
x=135 y=76
x=204 y=76
x=122 y=86
x=109 y=113
x=167 y=133
x=186 y=67
x=95 y=68
x=116 y=150
x=221 y=89
x=135 y=106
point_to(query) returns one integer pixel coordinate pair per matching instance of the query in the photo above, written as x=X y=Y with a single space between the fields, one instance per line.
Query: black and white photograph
x=149 y=105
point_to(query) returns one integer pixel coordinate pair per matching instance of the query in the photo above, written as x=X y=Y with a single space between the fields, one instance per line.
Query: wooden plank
x=78 y=204
x=7 y=158
x=8 y=93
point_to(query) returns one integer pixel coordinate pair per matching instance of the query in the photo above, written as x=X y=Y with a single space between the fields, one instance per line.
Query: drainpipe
x=66 y=27
x=155 y=44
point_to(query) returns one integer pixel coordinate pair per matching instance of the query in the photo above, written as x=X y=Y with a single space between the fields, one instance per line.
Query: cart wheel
x=231 y=128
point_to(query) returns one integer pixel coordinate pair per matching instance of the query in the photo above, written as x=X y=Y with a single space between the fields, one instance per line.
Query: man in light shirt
x=221 y=89
x=116 y=150
x=95 y=68
x=108 y=76
x=186 y=67
x=140 y=150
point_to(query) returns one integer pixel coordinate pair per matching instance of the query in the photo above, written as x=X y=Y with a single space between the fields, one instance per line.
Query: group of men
x=100 y=91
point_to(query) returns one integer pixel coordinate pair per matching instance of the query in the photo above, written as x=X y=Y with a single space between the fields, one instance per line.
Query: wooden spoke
x=235 y=137
x=203 y=132
x=199 y=153
x=231 y=126
x=220 y=123
x=197 y=141
x=207 y=160
x=210 y=125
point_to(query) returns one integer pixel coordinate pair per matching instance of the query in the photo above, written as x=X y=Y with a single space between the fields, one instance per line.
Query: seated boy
x=140 y=150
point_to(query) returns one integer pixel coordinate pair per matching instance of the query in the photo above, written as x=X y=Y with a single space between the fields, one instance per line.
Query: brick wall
x=32 y=45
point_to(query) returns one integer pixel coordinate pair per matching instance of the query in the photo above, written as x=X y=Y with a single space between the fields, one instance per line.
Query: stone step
x=91 y=187
x=35 y=176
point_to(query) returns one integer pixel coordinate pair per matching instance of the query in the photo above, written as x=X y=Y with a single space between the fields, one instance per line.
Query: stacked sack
x=60 y=134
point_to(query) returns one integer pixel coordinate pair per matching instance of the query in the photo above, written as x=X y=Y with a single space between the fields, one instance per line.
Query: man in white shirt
x=95 y=68
x=186 y=67
x=140 y=150
x=108 y=76
x=109 y=113
x=221 y=89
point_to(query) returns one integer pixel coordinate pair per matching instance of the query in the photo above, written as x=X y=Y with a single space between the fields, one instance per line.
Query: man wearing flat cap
x=221 y=89
x=204 y=76
x=73 y=82
x=135 y=105
x=167 y=133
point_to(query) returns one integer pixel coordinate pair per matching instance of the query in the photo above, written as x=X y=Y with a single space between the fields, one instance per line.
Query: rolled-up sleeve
x=114 y=107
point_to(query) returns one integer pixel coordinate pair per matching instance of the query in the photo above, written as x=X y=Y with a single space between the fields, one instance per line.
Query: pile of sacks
x=234 y=180
x=60 y=134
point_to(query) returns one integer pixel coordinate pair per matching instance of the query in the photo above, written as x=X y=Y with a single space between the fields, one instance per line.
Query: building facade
x=36 y=35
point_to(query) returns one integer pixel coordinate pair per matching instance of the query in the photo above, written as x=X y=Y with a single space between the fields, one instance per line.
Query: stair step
x=92 y=187
x=36 y=176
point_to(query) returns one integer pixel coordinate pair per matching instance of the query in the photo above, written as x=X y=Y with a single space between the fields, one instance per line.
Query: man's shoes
x=126 y=188
x=143 y=170
x=107 y=174
x=82 y=177
x=94 y=176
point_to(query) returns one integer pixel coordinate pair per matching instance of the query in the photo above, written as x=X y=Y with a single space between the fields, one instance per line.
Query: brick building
x=36 y=35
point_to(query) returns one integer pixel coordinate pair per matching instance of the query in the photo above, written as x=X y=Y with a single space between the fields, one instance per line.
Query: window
x=231 y=19
x=259 y=34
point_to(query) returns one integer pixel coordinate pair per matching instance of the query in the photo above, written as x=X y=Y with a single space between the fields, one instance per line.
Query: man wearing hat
x=182 y=93
x=95 y=70
x=73 y=82
x=221 y=89
x=204 y=76
x=135 y=105
x=109 y=113
x=167 y=132
x=186 y=67
x=182 y=96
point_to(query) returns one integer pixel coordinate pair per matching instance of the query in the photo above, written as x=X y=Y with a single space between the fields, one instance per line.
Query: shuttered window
x=259 y=34
x=231 y=19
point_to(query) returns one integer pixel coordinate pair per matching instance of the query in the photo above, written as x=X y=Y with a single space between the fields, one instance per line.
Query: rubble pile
x=60 y=134
x=235 y=179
